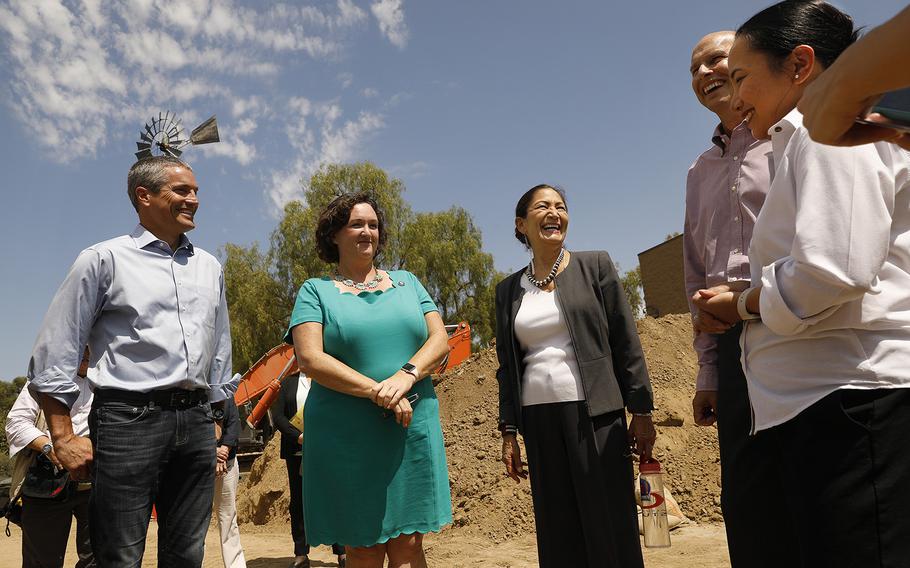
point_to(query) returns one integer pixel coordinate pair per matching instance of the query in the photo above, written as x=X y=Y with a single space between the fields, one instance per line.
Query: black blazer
x=286 y=405
x=613 y=370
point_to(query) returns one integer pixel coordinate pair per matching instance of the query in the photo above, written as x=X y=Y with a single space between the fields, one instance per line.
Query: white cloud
x=346 y=79
x=327 y=142
x=369 y=93
x=78 y=71
x=416 y=169
x=390 y=16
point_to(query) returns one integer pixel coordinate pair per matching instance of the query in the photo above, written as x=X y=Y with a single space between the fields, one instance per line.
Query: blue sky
x=468 y=102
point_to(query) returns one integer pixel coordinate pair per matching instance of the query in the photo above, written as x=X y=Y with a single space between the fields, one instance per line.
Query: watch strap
x=741 y=309
x=410 y=369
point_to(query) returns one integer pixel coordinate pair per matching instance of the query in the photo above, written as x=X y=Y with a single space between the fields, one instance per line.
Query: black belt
x=177 y=399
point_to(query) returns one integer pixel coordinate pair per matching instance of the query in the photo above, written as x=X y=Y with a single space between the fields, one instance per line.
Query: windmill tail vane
x=164 y=136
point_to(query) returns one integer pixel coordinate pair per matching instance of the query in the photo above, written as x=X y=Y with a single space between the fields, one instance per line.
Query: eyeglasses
x=412 y=399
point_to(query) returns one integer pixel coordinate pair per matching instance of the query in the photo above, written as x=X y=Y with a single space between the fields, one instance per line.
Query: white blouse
x=551 y=371
x=831 y=252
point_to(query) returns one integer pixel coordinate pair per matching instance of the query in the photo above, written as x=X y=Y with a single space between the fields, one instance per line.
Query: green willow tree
x=444 y=250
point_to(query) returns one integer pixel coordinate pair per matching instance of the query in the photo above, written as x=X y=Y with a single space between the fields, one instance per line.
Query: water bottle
x=653 y=506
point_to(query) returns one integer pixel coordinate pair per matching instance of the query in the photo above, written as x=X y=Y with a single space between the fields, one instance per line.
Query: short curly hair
x=336 y=215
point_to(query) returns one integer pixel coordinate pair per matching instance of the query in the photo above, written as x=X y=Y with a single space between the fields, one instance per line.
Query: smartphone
x=895 y=106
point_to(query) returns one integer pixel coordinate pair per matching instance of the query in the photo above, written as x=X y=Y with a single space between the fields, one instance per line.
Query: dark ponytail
x=778 y=29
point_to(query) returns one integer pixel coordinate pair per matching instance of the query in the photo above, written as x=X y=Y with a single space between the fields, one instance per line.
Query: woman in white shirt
x=828 y=362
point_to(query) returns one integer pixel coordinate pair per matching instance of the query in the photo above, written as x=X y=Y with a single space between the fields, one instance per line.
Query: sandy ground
x=694 y=546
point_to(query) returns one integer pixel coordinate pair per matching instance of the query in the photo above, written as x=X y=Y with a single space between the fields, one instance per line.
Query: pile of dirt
x=485 y=502
x=688 y=452
x=263 y=495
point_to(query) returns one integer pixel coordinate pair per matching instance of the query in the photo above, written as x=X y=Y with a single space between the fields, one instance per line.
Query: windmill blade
x=145 y=137
x=143 y=154
x=205 y=133
x=175 y=152
x=143 y=146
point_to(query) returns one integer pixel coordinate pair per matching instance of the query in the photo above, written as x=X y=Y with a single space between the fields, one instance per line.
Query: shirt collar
x=783 y=131
x=144 y=238
x=722 y=140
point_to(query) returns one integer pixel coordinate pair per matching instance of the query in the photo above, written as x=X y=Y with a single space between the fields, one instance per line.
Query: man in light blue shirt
x=152 y=309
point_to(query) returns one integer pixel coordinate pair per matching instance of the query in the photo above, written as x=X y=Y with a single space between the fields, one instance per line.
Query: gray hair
x=151 y=173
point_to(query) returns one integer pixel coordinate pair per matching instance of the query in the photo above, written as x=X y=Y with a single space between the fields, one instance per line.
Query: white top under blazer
x=550 y=368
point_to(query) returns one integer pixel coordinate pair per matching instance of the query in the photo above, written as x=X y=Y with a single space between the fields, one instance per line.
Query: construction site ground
x=493 y=520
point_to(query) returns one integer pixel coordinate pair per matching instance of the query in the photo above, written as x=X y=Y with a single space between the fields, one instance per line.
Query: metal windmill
x=163 y=136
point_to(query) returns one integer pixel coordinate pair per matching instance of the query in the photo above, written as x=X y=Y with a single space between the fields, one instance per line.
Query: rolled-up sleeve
x=20 y=423
x=845 y=201
x=66 y=328
x=222 y=379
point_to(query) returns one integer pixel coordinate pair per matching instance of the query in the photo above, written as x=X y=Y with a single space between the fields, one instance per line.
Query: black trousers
x=46 y=528
x=845 y=464
x=295 y=508
x=751 y=491
x=582 y=487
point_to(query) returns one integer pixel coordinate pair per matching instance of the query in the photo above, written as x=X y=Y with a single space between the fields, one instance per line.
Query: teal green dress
x=366 y=479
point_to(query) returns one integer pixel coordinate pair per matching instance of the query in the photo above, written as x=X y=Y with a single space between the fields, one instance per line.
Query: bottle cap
x=649 y=466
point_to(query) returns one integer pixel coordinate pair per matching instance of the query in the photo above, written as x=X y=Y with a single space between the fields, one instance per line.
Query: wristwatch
x=411 y=370
x=741 y=309
x=218 y=414
x=47 y=448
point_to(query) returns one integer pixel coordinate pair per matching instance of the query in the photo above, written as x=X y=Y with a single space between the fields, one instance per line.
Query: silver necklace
x=371 y=285
x=543 y=283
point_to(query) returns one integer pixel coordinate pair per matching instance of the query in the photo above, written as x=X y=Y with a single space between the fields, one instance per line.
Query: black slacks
x=845 y=464
x=46 y=528
x=582 y=487
x=295 y=508
x=751 y=490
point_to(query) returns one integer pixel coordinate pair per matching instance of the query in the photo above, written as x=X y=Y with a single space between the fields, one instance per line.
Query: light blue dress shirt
x=153 y=319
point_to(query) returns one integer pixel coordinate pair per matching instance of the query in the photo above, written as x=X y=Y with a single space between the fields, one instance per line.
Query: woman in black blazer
x=570 y=363
x=291 y=448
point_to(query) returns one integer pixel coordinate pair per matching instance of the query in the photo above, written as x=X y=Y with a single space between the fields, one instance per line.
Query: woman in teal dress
x=374 y=465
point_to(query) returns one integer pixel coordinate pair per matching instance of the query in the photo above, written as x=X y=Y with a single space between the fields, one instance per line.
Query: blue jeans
x=147 y=455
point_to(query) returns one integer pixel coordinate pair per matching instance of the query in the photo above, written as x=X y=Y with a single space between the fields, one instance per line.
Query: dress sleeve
x=307 y=308
x=427 y=304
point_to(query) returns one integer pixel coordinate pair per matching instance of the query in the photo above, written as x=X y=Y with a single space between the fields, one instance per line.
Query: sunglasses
x=412 y=399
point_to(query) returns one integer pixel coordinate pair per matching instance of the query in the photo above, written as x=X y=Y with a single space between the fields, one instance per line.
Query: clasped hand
x=717 y=308
x=75 y=454
x=390 y=395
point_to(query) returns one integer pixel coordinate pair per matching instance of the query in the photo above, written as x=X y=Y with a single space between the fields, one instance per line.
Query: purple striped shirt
x=725 y=190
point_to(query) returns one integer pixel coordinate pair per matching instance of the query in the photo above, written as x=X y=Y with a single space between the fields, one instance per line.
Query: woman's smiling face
x=763 y=93
x=546 y=220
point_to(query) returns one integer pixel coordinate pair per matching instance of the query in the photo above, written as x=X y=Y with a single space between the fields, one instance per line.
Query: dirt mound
x=263 y=495
x=485 y=502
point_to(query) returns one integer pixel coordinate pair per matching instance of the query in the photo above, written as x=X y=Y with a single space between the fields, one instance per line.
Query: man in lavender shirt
x=725 y=189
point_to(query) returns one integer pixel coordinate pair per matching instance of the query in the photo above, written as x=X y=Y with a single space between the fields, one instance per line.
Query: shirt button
x=736 y=218
x=735 y=158
x=733 y=189
x=777 y=129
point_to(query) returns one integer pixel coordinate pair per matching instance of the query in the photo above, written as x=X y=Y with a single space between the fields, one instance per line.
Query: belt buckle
x=180 y=399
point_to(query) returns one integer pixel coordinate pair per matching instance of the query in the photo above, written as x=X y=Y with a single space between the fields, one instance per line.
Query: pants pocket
x=121 y=414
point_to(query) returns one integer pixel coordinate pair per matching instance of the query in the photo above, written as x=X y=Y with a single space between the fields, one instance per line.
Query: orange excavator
x=264 y=379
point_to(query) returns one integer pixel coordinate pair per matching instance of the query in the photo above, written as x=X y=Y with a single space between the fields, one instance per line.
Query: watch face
x=408 y=368
x=218 y=414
